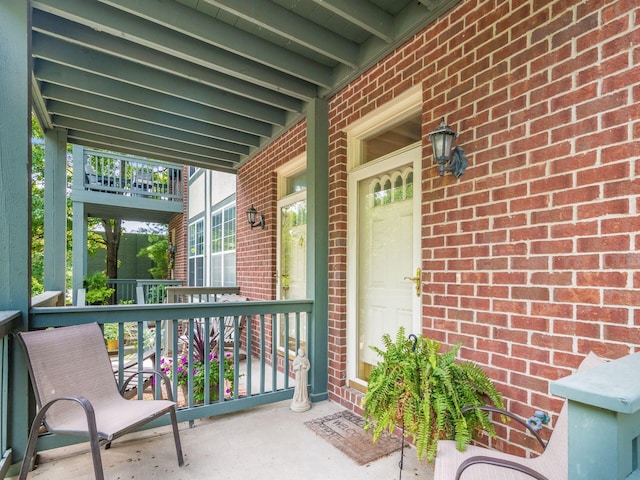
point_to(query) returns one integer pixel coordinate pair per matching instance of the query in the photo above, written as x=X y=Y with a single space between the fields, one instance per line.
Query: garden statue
x=301 y=365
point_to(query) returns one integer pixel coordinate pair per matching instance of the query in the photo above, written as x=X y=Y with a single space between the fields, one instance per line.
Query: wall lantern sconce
x=450 y=160
x=255 y=219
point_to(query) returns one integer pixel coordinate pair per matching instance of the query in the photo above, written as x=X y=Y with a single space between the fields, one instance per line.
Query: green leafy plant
x=181 y=369
x=422 y=390
x=110 y=331
x=98 y=291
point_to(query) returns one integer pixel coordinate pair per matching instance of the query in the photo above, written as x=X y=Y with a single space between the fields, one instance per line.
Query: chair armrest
x=498 y=463
x=163 y=376
x=513 y=416
x=82 y=401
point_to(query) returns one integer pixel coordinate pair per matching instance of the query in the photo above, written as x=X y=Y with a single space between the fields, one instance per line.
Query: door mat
x=344 y=430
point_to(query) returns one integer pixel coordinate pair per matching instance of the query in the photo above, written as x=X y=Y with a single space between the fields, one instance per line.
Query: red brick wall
x=530 y=257
x=257 y=186
x=178 y=225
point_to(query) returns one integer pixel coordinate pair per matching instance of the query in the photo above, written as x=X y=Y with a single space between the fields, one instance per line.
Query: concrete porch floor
x=268 y=443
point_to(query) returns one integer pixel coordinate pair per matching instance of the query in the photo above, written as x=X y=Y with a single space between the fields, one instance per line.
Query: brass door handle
x=417 y=280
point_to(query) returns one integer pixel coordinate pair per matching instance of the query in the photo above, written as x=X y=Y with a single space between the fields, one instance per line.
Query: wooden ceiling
x=206 y=83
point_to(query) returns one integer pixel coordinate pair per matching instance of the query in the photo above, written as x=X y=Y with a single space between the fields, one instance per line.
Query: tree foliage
x=157 y=251
x=37 y=208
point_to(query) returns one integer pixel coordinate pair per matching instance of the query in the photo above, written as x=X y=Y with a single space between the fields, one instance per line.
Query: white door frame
x=376 y=167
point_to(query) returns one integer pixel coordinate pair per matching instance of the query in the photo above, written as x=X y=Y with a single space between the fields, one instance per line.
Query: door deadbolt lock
x=417 y=280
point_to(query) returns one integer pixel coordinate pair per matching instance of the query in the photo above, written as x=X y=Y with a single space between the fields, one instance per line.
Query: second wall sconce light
x=450 y=160
x=255 y=219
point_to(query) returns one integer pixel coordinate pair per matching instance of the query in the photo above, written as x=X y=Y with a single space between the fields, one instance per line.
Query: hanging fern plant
x=416 y=387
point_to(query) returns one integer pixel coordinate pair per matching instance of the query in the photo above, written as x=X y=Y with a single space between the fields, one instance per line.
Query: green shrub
x=98 y=293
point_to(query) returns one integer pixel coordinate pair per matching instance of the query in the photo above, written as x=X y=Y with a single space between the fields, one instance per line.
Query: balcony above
x=121 y=186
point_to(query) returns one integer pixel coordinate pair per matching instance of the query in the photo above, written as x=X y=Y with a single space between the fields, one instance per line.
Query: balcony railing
x=124 y=175
x=131 y=290
x=261 y=370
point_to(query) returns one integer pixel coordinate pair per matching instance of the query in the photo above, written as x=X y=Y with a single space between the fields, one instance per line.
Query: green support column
x=318 y=242
x=55 y=209
x=80 y=225
x=79 y=248
x=15 y=201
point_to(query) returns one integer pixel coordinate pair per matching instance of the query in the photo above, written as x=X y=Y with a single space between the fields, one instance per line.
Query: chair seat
x=114 y=417
x=449 y=459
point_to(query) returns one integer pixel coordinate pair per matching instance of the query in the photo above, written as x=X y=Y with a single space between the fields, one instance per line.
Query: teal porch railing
x=7 y=319
x=131 y=290
x=264 y=337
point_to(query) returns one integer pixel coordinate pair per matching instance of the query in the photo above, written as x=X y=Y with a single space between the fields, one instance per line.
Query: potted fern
x=424 y=391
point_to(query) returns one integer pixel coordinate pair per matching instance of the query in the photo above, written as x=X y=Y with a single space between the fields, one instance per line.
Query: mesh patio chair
x=482 y=463
x=77 y=394
x=228 y=336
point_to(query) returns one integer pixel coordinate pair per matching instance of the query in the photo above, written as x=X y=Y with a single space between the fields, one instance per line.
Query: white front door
x=384 y=254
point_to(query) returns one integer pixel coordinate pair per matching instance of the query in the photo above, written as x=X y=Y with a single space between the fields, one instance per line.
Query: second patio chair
x=77 y=394
x=483 y=463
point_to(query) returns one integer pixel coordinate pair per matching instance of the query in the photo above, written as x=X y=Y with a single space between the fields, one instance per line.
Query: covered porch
x=233 y=446
x=102 y=76
x=529 y=260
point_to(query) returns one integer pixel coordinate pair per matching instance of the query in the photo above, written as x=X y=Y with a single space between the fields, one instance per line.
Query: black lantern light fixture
x=255 y=219
x=450 y=160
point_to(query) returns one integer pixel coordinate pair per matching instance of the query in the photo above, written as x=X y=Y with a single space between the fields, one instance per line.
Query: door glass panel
x=293 y=267
x=385 y=258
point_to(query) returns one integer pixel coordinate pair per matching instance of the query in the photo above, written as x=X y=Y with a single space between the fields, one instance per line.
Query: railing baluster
x=274 y=352
x=157 y=332
x=221 y=358
x=190 y=362
x=236 y=356
x=297 y=314
x=249 y=334
x=262 y=352
x=286 y=350
x=120 y=353
x=140 y=353
x=207 y=362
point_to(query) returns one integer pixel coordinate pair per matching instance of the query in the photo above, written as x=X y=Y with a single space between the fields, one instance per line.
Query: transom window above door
x=392 y=138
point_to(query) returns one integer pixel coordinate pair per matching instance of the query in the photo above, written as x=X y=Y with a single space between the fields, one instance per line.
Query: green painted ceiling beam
x=144 y=114
x=367 y=16
x=78 y=34
x=166 y=146
x=128 y=127
x=96 y=140
x=110 y=88
x=178 y=17
x=64 y=53
x=274 y=18
x=120 y=24
x=407 y=22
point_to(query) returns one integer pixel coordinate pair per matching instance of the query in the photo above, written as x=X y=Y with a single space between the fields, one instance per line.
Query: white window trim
x=223 y=252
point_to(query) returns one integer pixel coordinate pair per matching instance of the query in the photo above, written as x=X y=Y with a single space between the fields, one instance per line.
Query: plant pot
x=112 y=344
x=213 y=394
